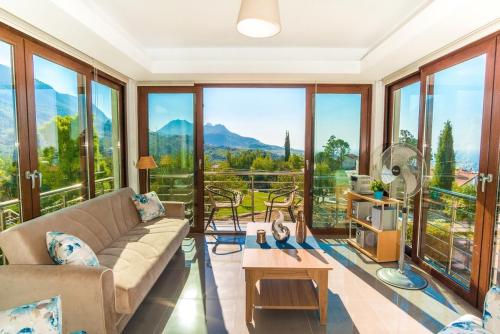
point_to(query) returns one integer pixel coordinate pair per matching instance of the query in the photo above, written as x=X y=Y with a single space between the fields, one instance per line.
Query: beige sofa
x=99 y=300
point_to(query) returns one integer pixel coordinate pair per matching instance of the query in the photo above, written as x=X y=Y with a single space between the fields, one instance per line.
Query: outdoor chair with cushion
x=282 y=198
x=221 y=198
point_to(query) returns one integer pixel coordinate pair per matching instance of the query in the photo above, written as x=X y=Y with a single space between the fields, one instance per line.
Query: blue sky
x=458 y=96
x=164 y=108
x=60 y=78
x=410 y=104
x=339 y=115
x=262 y=113
x=102 y=98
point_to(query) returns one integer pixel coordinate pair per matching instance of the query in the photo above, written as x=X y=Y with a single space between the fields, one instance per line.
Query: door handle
x=32 y=176
x=200 y=164
x=39 y=175
x=483 y=178
x=307 y=164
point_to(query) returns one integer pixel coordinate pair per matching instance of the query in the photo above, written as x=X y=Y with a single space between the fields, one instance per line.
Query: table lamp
x=146 y=162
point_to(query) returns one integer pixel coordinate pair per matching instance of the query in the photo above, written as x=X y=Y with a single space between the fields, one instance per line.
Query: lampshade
x=259 y=18
x=146 y=162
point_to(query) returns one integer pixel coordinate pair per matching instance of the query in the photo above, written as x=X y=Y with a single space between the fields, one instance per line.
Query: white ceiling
x=305 y=23
x=323 y=40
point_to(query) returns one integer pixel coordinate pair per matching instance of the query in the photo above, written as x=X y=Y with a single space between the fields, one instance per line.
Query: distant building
x=350 y=162
x=463 y=177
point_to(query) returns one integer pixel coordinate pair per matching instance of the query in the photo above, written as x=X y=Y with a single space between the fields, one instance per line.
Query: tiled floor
x=202 y=291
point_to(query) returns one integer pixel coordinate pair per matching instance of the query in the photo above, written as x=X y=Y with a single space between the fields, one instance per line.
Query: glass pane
x=60 y=105
x=495 y=268
x=171 y=143
x=254 y=148
x=10 y=205
x=106 y=123
x=406 y=104
x=454 y=110
x=337 y=126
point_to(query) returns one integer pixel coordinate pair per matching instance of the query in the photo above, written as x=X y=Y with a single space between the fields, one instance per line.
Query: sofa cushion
x=491 y=311
x=139 y=256
x=67 y=249
x=148 y=206
x=42 y=317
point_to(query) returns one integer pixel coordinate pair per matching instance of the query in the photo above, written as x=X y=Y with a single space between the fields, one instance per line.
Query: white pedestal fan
x=402 y=165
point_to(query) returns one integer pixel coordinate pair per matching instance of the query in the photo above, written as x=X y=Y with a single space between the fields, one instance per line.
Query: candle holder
x=261 y=236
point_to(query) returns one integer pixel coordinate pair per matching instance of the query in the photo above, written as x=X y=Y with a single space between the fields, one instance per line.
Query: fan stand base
x=408 y=279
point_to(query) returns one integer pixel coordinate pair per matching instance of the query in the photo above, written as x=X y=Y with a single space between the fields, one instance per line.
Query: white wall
x=132 y=133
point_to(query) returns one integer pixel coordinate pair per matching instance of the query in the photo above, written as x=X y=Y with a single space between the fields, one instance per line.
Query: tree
x=406 y=137
x=444 y=170
x=287 y=146
x=335 y=151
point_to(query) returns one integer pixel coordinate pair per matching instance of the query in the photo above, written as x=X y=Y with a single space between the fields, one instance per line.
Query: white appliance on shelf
x=361 y=184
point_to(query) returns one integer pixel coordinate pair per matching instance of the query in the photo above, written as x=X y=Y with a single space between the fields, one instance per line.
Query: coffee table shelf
x=286 y=294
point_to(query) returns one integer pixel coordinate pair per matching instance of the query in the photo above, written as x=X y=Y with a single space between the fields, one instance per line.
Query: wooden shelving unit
x=387 y=246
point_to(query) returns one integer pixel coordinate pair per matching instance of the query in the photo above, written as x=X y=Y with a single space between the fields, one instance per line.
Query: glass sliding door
x=254 y=141
x=456 y=138
x=171 y=135
x=340 y=131
x=106 y=133
x=60 y=105
x=405 y=108
x=11 y=201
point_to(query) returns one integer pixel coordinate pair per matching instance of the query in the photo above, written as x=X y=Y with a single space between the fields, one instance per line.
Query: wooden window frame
x=25 y=47
x=491 y=45
x=365 y=91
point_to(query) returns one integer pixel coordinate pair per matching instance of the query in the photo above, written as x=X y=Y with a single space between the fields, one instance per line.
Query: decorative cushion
x=42 y=317
x=466 y=324
x=148 y=205
x=491 y=312
x=67 y=249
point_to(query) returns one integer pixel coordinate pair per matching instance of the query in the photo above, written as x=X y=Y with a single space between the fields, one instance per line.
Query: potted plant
x=378 y=188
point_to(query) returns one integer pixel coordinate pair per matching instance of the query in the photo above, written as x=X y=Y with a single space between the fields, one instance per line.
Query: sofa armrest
x=174 y=209
x=87 y=293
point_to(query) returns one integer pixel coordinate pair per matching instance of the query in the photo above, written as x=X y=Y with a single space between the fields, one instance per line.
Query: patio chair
x=221 y=198
x=273 y=201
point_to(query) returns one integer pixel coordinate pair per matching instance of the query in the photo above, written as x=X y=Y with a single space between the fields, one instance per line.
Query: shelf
x=286 y=294
x=370 y=198
x=366 y=224
x=365 y=251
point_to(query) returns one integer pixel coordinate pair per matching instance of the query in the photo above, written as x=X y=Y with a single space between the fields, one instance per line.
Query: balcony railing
x=449 y=234
x=58 y=198
x=255 y=187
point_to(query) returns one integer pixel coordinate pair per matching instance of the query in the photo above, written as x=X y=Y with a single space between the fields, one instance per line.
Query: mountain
x=218 y=136
x=49 y=103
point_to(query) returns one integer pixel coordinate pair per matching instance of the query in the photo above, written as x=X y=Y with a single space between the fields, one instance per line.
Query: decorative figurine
x=280 y=232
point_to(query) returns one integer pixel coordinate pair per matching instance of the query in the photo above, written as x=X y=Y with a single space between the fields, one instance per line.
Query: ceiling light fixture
x=259 y=18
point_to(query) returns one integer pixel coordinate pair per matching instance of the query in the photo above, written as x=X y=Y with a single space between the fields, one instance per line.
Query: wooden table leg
x=322 y=283
x=250 y=287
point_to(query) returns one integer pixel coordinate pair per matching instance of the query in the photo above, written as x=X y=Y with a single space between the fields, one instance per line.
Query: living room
x=251 y=166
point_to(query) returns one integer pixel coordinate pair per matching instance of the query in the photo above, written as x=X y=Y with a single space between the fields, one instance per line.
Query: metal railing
x=254 y=185
x=10 y=210
x=449 y=232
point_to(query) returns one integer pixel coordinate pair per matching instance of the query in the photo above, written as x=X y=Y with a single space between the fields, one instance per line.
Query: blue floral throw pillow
x=67 y=249
x=148 y=205
x=491 y=313
x=42 y=317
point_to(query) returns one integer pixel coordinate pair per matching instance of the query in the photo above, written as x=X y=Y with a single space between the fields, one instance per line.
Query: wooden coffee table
x=293 y=277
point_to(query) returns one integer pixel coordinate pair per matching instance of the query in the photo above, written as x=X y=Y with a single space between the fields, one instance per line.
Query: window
x=404 y=110
x=45 y=102
x=107 y=133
